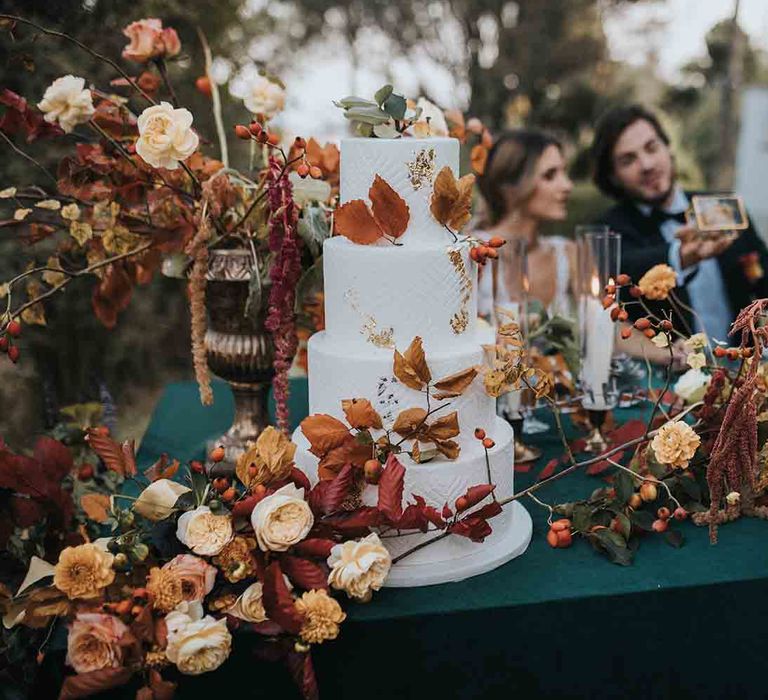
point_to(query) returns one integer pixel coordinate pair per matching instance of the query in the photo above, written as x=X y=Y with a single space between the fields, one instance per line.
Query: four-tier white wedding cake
x=379 y=297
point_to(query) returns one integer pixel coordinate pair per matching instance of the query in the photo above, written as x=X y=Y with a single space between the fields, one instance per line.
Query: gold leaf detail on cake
x=460 y=320
x=384 y=338
x=421 y=169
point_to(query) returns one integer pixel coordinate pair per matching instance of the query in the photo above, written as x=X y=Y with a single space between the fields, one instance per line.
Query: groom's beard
x=661 y=199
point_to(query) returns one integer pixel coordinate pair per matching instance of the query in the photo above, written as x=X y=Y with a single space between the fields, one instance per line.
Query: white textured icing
x=337 y=372
x=421 y=291
x=364 y=158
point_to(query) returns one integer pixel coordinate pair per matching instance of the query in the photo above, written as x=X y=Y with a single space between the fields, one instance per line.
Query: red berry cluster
x=12 y=330
x=481 y=253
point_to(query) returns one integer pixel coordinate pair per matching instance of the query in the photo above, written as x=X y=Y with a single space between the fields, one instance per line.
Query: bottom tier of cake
x=452 y=558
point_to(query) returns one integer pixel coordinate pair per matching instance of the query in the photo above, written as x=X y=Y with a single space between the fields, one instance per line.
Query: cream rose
x=149 y=40
x=94 y=642
x=203 y=532
x=68 y=102
x=431 y=120
x=675 y=444
x=165 y=136
x=196 y=644
x=249 y=605
x=264 y=97
x=359 y=568
x=282 y=519
x=156 y=502
x=692 y=385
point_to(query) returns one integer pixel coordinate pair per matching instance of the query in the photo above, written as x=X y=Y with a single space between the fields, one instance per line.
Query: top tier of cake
x=409 y=166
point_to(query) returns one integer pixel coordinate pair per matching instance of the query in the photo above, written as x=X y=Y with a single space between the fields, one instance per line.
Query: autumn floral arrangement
x=153 y=572
x=137 y=192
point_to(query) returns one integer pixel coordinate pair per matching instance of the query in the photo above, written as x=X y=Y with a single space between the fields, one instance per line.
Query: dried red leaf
x=352 y=451
x=391 y=489
x=278 y=601
x=328 y=495
x=356 y=523
x=549 y=469
x=315 y=547
x=83 y=685
x=475 y=494
x=304 y=573
x=300 y=479
x=161 y=469
x=303 y=672
x=472 y=527
x=117 y=457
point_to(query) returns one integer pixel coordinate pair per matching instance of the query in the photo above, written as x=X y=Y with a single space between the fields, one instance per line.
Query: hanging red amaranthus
x=285 y=273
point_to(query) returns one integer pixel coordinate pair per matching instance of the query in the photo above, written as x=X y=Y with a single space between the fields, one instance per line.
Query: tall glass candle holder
x=598 y=260
x=510 y=295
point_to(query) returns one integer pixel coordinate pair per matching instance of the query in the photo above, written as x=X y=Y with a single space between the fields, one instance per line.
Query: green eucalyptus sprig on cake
x=387 y=116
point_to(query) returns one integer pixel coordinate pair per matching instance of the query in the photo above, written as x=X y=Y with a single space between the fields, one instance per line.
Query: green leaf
x=382 y=94
x=689 y=487
x=613 y=546
x=310 y=282
x=395 y=106
x=674 y=538
x=582 y=517
x=626 y=525
x=353 y=101
x=314 y=229
x=642 y=519
x=367 y=115
x=625 y=486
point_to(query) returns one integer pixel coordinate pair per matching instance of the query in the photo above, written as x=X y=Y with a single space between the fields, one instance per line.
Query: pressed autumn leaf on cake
x=386 y=217
x=452 y=199
x=411 y=367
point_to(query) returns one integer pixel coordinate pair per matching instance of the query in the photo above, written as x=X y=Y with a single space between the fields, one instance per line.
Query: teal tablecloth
x=552 y=623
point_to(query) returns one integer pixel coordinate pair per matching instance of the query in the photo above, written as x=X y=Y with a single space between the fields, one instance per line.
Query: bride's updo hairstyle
x=508 y=179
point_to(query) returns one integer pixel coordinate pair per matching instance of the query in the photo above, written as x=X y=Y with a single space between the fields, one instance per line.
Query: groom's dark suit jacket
x=643 y=246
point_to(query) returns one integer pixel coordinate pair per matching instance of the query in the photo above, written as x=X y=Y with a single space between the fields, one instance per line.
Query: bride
x=525 y=183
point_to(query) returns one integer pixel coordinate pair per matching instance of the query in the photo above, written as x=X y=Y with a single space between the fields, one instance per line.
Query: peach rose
x=196 y=644
x=197 y=575
x=203 y=532
x=282 y=519
x=94 y=642
x=165 y=136
x=675 y=444
x=68 y=102
x=359 y=568
x=149 y=40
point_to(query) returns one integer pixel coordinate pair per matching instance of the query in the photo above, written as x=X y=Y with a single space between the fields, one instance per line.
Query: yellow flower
x=322 y=616
x=236 y=560
x=658 y=282
x=164 y=585
x=83 y=571
x=271 y=455
x=675 y=444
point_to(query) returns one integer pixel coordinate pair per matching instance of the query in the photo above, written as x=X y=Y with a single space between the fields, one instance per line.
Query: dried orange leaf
x=161 y=469
x=444 y=428
x=455 y=384
x=351 y=451
x=356 y=222
x=408 y=421
x=452 y=199
x=478 y=157
x=96 y=506
x=415 y=357
x=360 y=414
x=405 y=373
x=449 y=448
x=389 y=208
x=324 y=433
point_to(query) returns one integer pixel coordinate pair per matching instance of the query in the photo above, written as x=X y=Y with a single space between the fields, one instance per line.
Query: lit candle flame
x=595 y=286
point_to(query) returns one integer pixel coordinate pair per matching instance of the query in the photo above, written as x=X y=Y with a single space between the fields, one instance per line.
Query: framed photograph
x=719 y=212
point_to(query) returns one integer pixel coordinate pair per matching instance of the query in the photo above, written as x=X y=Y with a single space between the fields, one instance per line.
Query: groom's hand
x=694 y=248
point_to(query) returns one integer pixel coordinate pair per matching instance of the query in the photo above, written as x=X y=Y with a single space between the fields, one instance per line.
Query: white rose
x=67 y=102
x=264 y=97
x=196 y=644
x=165 y=136
x=203 y=532
x=359 y=568
x=282 y=519
x=249 y=605
x=692 y=385
x=156 y=502
x=431 y=120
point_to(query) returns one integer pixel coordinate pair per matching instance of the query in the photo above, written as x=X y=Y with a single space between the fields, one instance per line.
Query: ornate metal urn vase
x=238 y=347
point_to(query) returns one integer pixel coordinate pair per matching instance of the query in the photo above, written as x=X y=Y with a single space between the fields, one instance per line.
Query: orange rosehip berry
x=479 y=433
x=642 y=323
x=273 y=139
x=666 y=325
x=635 y=501
x=680 y=513
x=623 y=315
x=496 y=242
x=552 y=538
x=461 y=504
x=610 y=289
x=13 y=328
x=220 y=483
x=663 y=513
x=623 y=279
x=263 y=136
x=259 y=490
x=564 y=538
x=102 y=430
x=203 y=85
x=217 y=454
x=372 y=470
x=474 y=253
x=492 y=253
x=255 y=128
x=649 y=333
x=720 y=351
x=302 y=170
x=488 y=443
x=733 y=354
x=242 y=132
x=140 y=594
x=626 y=333
x=615 y=313
x=197 y=466
x=648 y=491
x=660 y=525
x=4 y=343
x=561 y=524
x=747 y=352
x=229 y=494
x=315 y=173
x=635 y=292
x=608 y=301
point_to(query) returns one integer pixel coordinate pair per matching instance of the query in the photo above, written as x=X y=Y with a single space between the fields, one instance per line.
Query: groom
x=634 y=165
